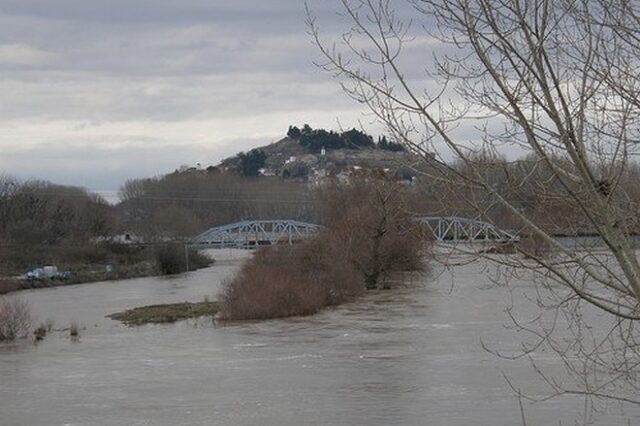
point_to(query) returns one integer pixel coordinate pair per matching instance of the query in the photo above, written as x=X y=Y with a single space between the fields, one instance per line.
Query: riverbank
x=84 y=277
x=97 y=263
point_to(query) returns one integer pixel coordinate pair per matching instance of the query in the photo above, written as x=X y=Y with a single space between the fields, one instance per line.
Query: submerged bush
x=289 y=281
x=40 y=332
x=15 y=319
x=370 y=222
x=74 y=330
x=171 y=259
x=369 y=236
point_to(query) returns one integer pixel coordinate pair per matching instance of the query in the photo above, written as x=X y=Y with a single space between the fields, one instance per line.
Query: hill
x=315 y=154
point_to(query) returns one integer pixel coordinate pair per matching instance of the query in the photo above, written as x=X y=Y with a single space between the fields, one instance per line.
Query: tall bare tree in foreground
x=556 y=80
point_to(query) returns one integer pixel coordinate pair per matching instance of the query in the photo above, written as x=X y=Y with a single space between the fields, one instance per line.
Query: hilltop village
x=318 y=156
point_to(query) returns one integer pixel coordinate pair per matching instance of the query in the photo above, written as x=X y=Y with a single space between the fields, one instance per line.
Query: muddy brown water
x=408 y=356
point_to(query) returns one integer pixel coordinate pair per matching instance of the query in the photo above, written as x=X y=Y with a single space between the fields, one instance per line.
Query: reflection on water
x=409 y=356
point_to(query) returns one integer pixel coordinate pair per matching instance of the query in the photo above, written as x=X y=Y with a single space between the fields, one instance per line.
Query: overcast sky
x=94 y=92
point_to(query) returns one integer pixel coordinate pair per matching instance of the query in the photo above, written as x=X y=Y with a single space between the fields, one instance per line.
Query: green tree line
x=316 y=139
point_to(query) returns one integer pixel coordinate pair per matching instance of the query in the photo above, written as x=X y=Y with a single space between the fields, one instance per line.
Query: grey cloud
x=98 y=166
x=86 y=97
x=84 y=78
x=143 y=11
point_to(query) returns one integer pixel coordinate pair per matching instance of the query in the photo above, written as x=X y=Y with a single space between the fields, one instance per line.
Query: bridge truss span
x=250 y=234
x=460 y=229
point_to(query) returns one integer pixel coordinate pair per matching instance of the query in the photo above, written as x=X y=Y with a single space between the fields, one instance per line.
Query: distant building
x=319 y=177
x=124 y=238
x=266 y=172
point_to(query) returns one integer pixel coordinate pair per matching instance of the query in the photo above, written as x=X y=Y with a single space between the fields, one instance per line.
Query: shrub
x=532 y=244
x=40 y=332
x=74 y=330
x=289 y=281
x=84 y=253
x=126 y=253
x=266 y=288
x=171 y=259
x=252 y=162
x=322 y=262
x=15 y=319
x=198 y=260
x=369 y=220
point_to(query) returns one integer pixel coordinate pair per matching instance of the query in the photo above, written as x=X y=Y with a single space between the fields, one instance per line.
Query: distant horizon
x=112 y=190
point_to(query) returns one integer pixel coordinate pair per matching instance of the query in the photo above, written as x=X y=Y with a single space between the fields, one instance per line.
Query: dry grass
x=158 y=314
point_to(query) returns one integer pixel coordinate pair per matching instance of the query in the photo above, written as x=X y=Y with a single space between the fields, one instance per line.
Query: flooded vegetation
x=15 y=318
x=167 y=313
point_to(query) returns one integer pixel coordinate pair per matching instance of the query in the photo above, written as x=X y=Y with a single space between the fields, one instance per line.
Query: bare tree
x=368 y=218
x=15 y=318
x=213 y=199
x=556 y=81
x=8 y=187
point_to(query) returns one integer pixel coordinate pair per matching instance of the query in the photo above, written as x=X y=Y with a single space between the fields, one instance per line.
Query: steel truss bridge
x=454 y=229
x=251 y=234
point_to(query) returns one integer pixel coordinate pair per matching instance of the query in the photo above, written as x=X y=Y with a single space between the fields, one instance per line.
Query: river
x=407 y=356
